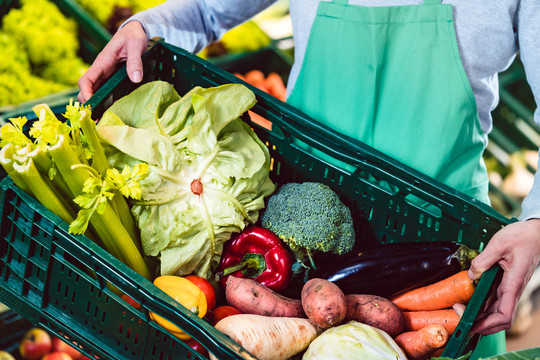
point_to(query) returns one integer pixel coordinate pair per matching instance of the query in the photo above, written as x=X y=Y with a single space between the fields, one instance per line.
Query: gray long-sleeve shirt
x=489 y=35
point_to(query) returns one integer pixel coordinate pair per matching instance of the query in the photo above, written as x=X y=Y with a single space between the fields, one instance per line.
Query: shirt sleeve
x=529 y=44
x=193 y=24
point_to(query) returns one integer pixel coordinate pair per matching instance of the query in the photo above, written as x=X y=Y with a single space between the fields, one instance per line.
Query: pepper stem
x=251 y=265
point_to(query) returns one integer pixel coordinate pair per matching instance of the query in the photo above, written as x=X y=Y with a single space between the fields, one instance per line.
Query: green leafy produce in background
x=244 y=38
x=39 y=52
x=111 y=14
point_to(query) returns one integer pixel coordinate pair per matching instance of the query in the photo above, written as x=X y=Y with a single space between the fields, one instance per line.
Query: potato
x=251 y=297
x=376 y=311
x=324 y=303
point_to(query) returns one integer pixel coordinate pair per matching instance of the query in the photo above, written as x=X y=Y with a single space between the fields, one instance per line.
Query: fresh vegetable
x=256 y=253
x=415 y=320
x=309 y=217
x=271 y=84
x=244 y=38
x=186 y=293
x=207 y=288
x=39 y=52
x=223 y=311
x=60 y=168
x=324 y=303
x=354 y=341
x=389 y=269
x=208 y=171
x=269 y=338
x=443 y=294
x=375 y=311
x=421 y=344
x=196 y=346
x=131 y=301
x=17 y=81
x=250 y=297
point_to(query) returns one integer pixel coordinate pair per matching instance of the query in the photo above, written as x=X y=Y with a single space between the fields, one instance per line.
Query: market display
x=194 y=180
x=39 y=52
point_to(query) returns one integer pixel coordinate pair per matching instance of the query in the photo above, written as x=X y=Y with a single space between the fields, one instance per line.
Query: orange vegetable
x=275 y=86
x=257 y=79
x=457 y=288
x=421 y=344
x=415 y=320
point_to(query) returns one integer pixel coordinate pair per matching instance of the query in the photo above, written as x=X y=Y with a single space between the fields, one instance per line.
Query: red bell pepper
x=259 y=254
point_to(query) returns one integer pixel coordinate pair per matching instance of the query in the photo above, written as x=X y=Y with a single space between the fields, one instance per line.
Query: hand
x=128 y=44
x=516 y=248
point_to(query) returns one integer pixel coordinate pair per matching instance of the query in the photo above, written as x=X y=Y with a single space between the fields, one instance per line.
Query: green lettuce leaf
x=208 y=171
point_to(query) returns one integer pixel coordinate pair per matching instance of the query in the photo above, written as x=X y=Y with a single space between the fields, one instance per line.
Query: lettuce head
x=209 y=172
x=354 y=341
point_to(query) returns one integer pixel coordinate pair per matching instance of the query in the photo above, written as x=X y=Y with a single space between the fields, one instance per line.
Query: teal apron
x=392 y=77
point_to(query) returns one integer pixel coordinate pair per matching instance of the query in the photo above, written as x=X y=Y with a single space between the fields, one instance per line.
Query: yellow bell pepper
x=187 y=294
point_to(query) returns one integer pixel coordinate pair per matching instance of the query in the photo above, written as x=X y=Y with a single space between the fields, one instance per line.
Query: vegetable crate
x=67 y=284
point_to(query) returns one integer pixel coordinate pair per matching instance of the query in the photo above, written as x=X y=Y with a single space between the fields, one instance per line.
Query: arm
x=517 y=246
x=190 y=24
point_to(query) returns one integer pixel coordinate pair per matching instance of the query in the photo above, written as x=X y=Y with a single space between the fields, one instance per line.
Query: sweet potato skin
x=376 y=311
x=251 y=297
x=324 y=303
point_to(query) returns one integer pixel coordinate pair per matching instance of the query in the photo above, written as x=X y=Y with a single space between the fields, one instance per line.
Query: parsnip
x=269 y=338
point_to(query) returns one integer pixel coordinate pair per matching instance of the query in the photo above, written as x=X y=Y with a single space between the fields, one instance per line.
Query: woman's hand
x=516 y=248
x=128 y=44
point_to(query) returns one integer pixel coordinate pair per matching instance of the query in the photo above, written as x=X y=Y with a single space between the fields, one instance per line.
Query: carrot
x=257 y=79
x=269 y=338
x=240 y=76
x=457 y=288
x=415 y=320
x=275 y=86
x=258 y=119
x=421 y=344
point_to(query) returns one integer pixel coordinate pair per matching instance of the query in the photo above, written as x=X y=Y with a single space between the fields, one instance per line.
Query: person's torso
x=485 y=33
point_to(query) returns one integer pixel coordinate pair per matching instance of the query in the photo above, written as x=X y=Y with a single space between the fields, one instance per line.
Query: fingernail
x=137 y=76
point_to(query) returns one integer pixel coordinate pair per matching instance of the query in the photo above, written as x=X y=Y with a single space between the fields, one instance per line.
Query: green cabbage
x=351 y=341
x=209 y=172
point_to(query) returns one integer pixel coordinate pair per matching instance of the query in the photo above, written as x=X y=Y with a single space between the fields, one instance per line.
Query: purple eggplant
x=390 y=269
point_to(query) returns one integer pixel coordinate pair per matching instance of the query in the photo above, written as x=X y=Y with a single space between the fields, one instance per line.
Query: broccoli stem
x=311 y=261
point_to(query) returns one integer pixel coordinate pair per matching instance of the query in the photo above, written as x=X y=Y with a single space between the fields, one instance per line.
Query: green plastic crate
x=43 y=269
x=12 y=328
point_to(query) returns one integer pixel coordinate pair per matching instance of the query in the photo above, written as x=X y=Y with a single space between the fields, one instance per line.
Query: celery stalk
x=42 y=191
x=44 y=164
x=107 y=225
x=101 y=164
x=6 y=154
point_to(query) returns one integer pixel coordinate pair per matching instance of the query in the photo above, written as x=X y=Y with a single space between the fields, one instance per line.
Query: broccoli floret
x=309 y=217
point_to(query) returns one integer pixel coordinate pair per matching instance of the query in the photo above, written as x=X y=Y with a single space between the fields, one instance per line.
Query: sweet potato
x=324 y=303
x=251 y=297
x=376 y=311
